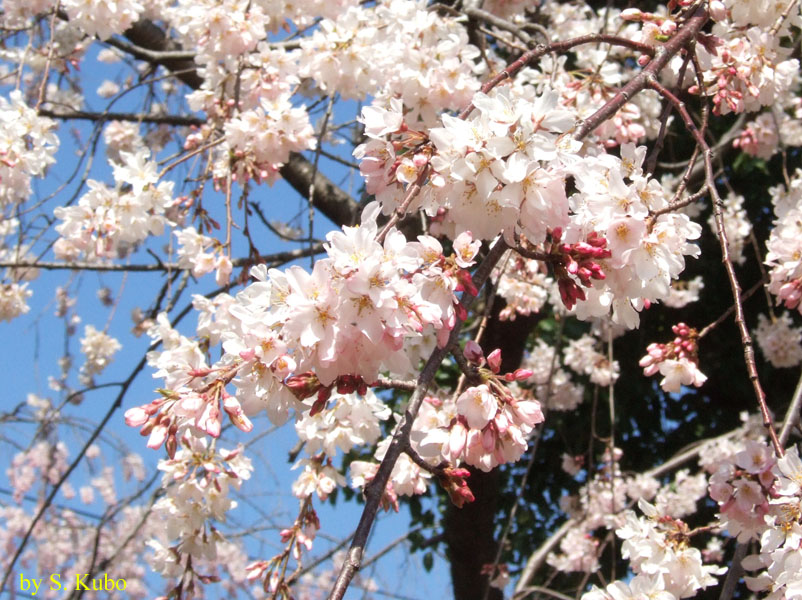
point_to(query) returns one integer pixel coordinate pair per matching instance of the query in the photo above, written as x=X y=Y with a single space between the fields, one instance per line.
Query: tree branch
x=179 y=120
x=740 y=321
x=270 y=259
x=684 y=35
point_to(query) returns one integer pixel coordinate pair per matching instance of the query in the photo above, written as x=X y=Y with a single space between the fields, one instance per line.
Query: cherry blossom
x=99 y=348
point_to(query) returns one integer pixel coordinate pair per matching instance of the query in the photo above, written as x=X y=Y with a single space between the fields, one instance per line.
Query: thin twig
x=746 y=338
x=271 y=259
x=781 y=19
x=792 y=414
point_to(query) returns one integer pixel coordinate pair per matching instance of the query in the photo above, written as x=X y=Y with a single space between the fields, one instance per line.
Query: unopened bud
x=494 y=360
x=718 y=11
x=303 y=385
x=473 y=352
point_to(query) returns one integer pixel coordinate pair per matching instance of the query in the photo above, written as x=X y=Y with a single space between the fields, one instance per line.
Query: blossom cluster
x=602 y=503
x=346 y=422
x=99 y=348
x=784 y=250
x=426 y=59
x=779 y=340
x=665 y=566
x=293 y=334
x=29 y=146
x=193 y=254
x=550 y=382
x=491 y=425
x=581 y=355
x=504 y=169
x=748 y=70
x=197 y=483
x=759 y=498
x=677 y=361
x=67 y=533
x=781 y=538
x=13 y=300
x=524 y=285
x=592 y=234
x=109 y=223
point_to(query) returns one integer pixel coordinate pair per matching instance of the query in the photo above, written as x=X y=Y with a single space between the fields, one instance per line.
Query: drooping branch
x=681 y=39
x=538 y=558
x=124 y=386
x=542 y=49
x=737 y=294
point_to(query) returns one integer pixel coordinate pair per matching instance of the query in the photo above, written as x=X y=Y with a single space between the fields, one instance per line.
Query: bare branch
x=270 y=259
x=179 y=120
x=746 y=338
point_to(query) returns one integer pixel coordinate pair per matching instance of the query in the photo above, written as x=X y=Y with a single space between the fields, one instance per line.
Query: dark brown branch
x=541 y=50
x=740 y=321
x=684 y=36
x=179 y=120
x=395 y=384
x=270 y=259
x=152 y=45
x=727 y=313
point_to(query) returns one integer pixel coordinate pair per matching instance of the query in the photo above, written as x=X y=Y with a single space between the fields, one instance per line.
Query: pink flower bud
x=473 y=352
x=170 y=446
x=210 y=420
x=236 y=414
x=494 y=360
x=718 y=11
x=134 y=417
x=157 y=436
x=465 y=283
x=488 y=439
x=323 y=396
x=460 y=313
x=523 y=374
x=457 y=439
x=303 y=385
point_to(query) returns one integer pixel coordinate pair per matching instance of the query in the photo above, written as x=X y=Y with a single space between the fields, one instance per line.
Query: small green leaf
x=428 y=561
